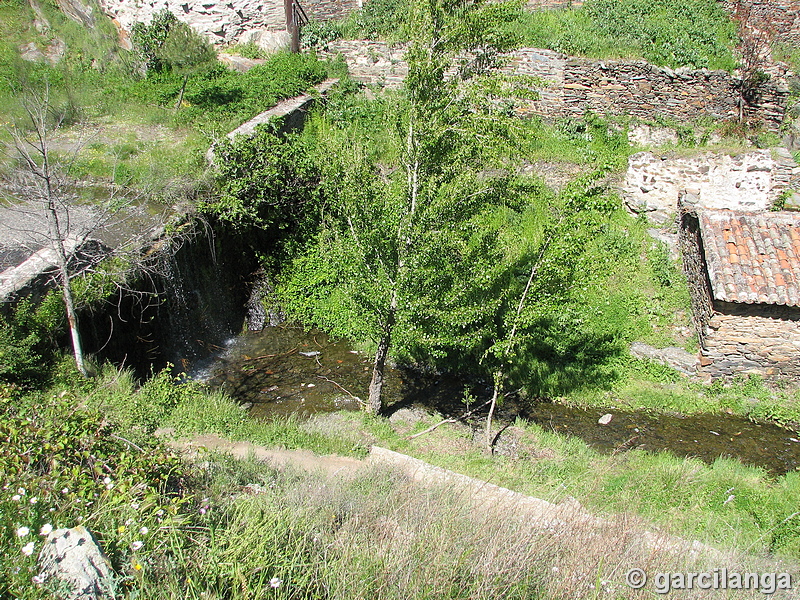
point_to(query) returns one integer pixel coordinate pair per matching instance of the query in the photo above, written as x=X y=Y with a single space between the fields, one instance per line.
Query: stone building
x=744 y=279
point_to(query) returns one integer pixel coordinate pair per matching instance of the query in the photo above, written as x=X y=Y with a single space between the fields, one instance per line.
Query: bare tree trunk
x=498 y=383
x=48 y=189
x=57 y=237
x=376 y=385
x=72 y=319
x=180 y=96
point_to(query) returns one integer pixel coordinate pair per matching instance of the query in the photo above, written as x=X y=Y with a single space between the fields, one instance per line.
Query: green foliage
x=184 y=51
x=249 y=50
x=62 y=465
x=149 y=40
x=377 y=19
x=317 y=34
x=29 y=336
x=267 y=182
x=675 y=33
x=20 y=361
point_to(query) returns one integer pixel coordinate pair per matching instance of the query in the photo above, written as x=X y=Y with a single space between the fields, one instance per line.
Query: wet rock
x=73 y=557
x=673 y=357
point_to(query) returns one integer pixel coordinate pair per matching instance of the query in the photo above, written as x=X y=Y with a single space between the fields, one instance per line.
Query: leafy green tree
x=186 y=52
x=401 y=241
x=167 y=44
x=148 y=39
x=531 y=325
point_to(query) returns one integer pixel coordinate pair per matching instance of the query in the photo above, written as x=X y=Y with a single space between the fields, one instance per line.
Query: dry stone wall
x=782 y=16
x=752 y=181
x=571 y=86
x=552 y=4
x=759 y=339
x=224 y=22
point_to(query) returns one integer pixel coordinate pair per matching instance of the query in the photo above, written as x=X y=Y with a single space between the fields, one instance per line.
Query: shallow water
x=285 y=370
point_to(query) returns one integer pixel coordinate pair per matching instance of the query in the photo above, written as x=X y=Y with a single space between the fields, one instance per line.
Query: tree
x=543 y=268
x=45 y=183
x=167 y=44
x=400 y=241
x=148 y=39
x=186 y=52
x=48 y=196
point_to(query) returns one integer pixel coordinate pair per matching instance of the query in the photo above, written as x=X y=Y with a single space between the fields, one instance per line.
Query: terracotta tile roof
x=752 y=257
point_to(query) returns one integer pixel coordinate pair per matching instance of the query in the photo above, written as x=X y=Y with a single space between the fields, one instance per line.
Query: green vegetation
x=674 y=33
x=409 y=223
x=83 y=452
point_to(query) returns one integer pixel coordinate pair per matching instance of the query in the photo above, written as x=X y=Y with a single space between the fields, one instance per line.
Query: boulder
x=73 y=557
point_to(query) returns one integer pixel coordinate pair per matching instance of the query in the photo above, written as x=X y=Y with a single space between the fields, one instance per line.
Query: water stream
x=284 y=370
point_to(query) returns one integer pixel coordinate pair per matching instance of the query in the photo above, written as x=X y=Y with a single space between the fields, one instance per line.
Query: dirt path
x=302 y=459
x=568 y=515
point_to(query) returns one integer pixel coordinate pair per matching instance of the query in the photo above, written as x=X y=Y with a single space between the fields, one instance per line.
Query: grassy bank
x=225 y=528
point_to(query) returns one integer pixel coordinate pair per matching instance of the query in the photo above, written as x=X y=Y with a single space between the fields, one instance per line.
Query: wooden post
x=291 y=25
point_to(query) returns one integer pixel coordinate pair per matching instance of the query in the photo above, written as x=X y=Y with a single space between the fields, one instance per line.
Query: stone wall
x=322 y=10
x=571 y=86
x=552 y=4
x=690 y=242
x=782 y=16
x=229 y=21
x=760 y=339
x=752 y=181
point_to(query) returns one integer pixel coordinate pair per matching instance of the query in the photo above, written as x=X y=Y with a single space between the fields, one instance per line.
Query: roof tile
x=752 y=258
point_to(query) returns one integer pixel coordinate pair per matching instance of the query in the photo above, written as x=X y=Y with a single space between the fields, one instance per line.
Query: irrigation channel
x=285 y=370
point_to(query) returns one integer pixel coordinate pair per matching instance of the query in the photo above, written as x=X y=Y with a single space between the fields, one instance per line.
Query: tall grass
x=377 y=535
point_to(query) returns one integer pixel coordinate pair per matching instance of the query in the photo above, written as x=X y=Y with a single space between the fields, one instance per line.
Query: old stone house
x=744 y=278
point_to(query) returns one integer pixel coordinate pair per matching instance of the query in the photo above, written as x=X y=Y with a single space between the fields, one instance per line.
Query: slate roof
x=752 y=258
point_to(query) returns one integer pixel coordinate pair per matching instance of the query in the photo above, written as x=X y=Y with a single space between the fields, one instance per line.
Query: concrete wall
x=760 y=339
x=752 y=181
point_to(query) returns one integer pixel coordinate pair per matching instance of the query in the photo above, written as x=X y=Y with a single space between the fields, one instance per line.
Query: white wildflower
x=27 y=549
x=34 y=500
x=23 y=531
x=16 y=497
x=39 y=579
x=136 y=545
x=144 y=531
x=21 y=491
x=107 y=480
x=46 y=529
x=275 y=582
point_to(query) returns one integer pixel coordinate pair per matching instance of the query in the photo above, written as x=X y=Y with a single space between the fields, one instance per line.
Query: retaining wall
x=571 y=86
x=751 y=181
